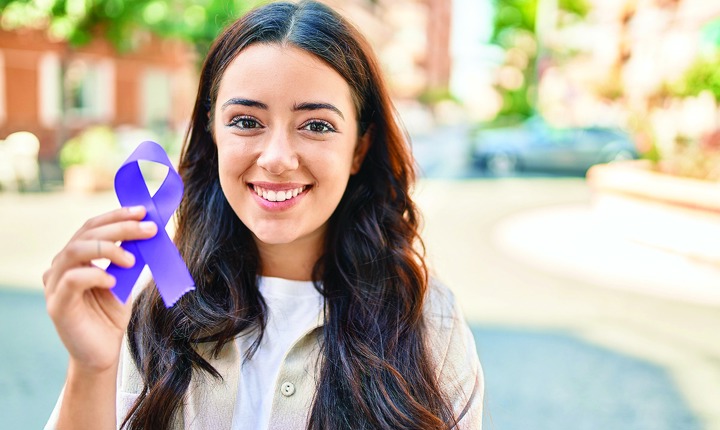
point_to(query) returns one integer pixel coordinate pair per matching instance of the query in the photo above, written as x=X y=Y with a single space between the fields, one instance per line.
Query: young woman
x=313 y=308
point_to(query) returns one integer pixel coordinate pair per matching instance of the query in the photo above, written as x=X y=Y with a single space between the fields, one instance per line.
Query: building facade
x=53 y=90
x=151 y=87
x=620 y=61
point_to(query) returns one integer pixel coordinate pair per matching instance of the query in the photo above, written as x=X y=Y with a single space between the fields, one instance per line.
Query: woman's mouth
x=277 y=195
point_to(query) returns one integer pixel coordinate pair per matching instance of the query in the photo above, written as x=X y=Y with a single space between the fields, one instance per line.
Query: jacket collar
x=209 y=402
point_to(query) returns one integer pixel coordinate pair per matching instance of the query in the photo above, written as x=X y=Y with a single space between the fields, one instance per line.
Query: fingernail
x=111 y=280
x=147 y=226
x=129 y=258
x=135 y=210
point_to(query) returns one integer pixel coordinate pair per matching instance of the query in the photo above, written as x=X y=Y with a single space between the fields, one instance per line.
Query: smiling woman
x=313 y=308
x=279 y=136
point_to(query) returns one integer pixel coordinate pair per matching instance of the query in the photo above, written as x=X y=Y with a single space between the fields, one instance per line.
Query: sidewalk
x=518 y=253
x=528 y=254
x=35 y=226
x=569 y=241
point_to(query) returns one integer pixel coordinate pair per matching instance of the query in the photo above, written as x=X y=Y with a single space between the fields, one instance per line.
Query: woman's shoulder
x=452 y=349
x=440 y=306
x=447 y=331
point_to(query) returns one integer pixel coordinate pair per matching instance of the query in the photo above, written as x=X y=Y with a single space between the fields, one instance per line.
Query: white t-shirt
x=293 y=308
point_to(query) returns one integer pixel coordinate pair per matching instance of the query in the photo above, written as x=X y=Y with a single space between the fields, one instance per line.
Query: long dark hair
x=375 y=371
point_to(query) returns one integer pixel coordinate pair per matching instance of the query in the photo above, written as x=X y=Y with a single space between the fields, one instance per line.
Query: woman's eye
x=319 y=127
x=244 y=122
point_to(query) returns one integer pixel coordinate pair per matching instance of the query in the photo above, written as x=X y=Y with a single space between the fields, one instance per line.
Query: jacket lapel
x=210 y=402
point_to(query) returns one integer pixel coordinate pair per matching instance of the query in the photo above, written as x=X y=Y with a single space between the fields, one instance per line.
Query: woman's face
x=286 y=132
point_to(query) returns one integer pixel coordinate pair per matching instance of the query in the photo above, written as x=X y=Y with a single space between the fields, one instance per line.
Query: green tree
x=121 y=22
x=515 y=29
x=79 y=21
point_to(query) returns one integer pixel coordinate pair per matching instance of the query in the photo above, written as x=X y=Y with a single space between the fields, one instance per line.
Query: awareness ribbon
x=158 y=252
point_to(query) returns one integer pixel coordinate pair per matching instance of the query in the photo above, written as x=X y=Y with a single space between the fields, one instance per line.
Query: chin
x=274 y=238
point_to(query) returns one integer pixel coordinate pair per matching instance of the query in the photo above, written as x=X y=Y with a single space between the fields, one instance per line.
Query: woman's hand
x=90 y=320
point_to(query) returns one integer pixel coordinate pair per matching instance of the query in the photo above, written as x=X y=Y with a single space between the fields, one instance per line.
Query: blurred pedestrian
x=313 y=307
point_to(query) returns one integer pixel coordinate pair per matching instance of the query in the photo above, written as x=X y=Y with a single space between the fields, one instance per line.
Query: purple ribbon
x=159 y=252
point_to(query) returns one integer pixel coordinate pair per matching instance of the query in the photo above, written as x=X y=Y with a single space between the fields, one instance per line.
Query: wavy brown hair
x=375 y=371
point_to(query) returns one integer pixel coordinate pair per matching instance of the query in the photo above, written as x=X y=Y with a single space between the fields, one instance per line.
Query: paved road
x=529 y=253
x=444 y=153
x=500 y=286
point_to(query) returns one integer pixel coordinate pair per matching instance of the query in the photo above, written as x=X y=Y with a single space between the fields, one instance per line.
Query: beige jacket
x=209 y=403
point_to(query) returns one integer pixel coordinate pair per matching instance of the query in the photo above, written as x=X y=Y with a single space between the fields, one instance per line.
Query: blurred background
x=569 y=159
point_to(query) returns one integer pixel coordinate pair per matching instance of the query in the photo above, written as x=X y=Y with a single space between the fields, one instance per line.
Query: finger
x=121 y=231
x=118 y=312
x=130 y=229
x=114 y=253
x=126 y=214
x=73 y=284
x=45 y=277
x=80 y=253
x=122 y=214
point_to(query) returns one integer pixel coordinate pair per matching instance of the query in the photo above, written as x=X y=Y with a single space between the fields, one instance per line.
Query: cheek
x=232 y=165
x=329 y=161
x=224 y=159
x=225 y=169
x=233 y=158
x=331 y=173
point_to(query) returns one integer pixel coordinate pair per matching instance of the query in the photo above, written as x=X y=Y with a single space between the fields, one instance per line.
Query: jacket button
x=287 y=389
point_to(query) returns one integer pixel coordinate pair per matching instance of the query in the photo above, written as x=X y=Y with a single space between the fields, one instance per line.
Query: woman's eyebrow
x=244 y=102
x=317 y=106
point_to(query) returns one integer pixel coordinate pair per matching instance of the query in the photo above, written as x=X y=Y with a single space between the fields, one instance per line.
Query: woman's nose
x=278 y=155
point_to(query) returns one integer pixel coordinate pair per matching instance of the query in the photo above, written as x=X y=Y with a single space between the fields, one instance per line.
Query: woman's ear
x=361 y=149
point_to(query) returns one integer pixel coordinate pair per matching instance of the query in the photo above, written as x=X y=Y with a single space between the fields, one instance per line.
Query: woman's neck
x=294 y=261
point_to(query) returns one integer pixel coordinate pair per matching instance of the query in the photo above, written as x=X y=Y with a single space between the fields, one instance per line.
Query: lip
x=274 y=186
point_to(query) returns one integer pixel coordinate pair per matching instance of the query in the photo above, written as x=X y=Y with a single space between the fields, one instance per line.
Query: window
x=155 y=99
x=3 y=102
x=90 y=90
x=49 y=89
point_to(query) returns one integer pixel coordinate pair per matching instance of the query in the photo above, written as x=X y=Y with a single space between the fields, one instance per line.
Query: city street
x=593 y=304
x=529 y=265
x=529 y=252
x=503 y=282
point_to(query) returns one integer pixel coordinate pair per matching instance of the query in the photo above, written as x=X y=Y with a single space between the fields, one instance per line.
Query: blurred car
x=535 y=145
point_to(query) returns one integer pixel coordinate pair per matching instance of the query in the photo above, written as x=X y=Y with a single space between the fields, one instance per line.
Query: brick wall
x=22 y=52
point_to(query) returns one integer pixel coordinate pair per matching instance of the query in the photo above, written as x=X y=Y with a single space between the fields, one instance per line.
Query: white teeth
x=277 y=196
